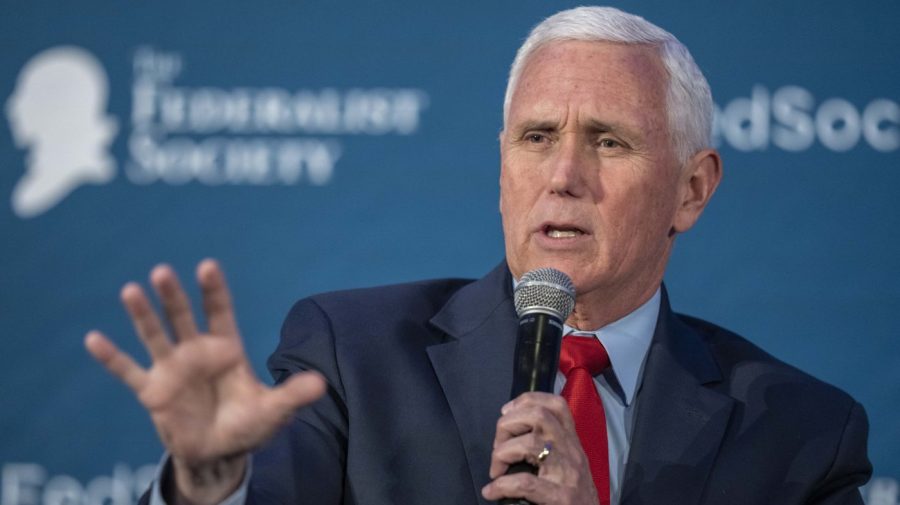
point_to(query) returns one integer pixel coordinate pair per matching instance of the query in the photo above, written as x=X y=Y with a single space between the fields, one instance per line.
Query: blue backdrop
x=315 y=145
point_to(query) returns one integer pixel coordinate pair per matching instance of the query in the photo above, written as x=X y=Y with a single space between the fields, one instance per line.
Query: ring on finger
x=545 y=451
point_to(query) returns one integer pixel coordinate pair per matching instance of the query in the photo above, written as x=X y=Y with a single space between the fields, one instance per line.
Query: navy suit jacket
x=417 y=374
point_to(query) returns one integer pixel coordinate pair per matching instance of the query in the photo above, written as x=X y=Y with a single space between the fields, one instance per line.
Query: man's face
x=589 y=182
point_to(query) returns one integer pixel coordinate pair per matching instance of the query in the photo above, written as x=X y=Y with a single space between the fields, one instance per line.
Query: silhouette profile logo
x=58 y=112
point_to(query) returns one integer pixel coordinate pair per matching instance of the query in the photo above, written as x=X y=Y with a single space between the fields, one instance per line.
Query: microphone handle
x=536 y=363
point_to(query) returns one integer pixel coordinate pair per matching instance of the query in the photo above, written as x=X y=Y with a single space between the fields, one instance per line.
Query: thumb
x=298 y=390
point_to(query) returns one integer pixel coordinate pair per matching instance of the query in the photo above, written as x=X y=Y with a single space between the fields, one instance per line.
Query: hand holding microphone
x=537 y=455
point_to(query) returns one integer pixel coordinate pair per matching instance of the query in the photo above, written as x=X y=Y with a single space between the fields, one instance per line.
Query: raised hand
x=208 y=407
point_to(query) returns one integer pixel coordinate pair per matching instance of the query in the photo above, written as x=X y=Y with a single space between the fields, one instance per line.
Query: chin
x=566 y=267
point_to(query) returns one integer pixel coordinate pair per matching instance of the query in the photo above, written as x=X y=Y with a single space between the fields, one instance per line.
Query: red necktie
x=580 y=360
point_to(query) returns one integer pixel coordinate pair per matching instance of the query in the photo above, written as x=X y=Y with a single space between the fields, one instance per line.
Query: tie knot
x=582 y=352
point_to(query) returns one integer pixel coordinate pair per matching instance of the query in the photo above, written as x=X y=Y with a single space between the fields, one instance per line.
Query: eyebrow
x=595 y=126
x=539 y=125
x=592 y=125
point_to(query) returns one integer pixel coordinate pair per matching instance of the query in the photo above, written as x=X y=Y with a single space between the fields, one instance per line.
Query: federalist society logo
x=277 y=136
x=58 y=112
x=179 y=134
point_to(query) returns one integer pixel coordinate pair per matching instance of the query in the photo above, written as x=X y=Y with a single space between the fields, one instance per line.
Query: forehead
x=597 y=78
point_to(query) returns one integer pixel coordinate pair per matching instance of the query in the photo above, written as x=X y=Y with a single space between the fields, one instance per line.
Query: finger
x=174 y=301
x=117 y=362
x=532 y=418
x=554 y=403
x=216 y=299
x=523 y=485
x=522 y=448
x=298 y=390
x=145 y=321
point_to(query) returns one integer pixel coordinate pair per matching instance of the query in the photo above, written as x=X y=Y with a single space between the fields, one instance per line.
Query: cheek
x=640 y=213
x=504 y=198
x=507 y=205
x=510 y=197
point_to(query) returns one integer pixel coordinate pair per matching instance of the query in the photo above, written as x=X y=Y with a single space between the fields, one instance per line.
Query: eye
x=535 y=138
x=609 y=143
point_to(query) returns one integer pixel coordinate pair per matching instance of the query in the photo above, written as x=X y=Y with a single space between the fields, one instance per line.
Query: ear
x=699 y=179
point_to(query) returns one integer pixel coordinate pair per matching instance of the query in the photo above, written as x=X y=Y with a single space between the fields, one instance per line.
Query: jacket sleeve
x=305 y=462
x=850 y=468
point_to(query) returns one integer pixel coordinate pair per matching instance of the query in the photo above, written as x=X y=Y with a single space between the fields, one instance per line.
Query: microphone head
x=545 y=290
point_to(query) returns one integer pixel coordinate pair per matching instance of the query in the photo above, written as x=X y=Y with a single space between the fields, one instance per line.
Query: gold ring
x=544 y=452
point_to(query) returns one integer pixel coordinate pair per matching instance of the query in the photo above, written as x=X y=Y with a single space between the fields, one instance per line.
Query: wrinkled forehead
x=608 y=74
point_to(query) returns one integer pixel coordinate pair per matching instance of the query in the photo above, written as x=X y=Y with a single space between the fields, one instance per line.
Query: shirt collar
x=627 y=342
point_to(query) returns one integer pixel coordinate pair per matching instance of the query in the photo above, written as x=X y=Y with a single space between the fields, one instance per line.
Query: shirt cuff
x=163 y=471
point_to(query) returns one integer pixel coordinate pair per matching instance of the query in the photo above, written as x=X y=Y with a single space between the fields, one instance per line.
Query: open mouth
x=562 y=231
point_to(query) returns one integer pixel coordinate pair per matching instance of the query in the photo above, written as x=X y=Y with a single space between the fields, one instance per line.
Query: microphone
x=544 y=298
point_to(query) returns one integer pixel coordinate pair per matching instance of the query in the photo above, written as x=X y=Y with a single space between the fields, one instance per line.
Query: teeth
x=562 y=233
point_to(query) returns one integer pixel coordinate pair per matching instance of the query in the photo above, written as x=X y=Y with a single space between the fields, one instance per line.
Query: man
x=605 y=159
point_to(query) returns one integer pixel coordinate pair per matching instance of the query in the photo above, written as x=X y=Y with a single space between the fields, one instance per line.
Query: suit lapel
x=679 y=422
x=475 y=365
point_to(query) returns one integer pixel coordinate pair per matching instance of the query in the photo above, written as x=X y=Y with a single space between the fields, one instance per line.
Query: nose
x=568 y=168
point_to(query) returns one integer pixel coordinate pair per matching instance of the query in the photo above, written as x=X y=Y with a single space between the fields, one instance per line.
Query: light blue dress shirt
x=626 y=341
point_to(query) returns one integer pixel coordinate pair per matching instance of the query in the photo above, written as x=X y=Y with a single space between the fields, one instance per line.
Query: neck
x=599 y=308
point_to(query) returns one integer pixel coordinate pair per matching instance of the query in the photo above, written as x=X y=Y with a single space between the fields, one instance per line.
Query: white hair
x=688 y=99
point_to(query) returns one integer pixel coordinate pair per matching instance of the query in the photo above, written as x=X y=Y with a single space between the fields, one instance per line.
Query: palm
x=201 y=392
x=204 y=400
